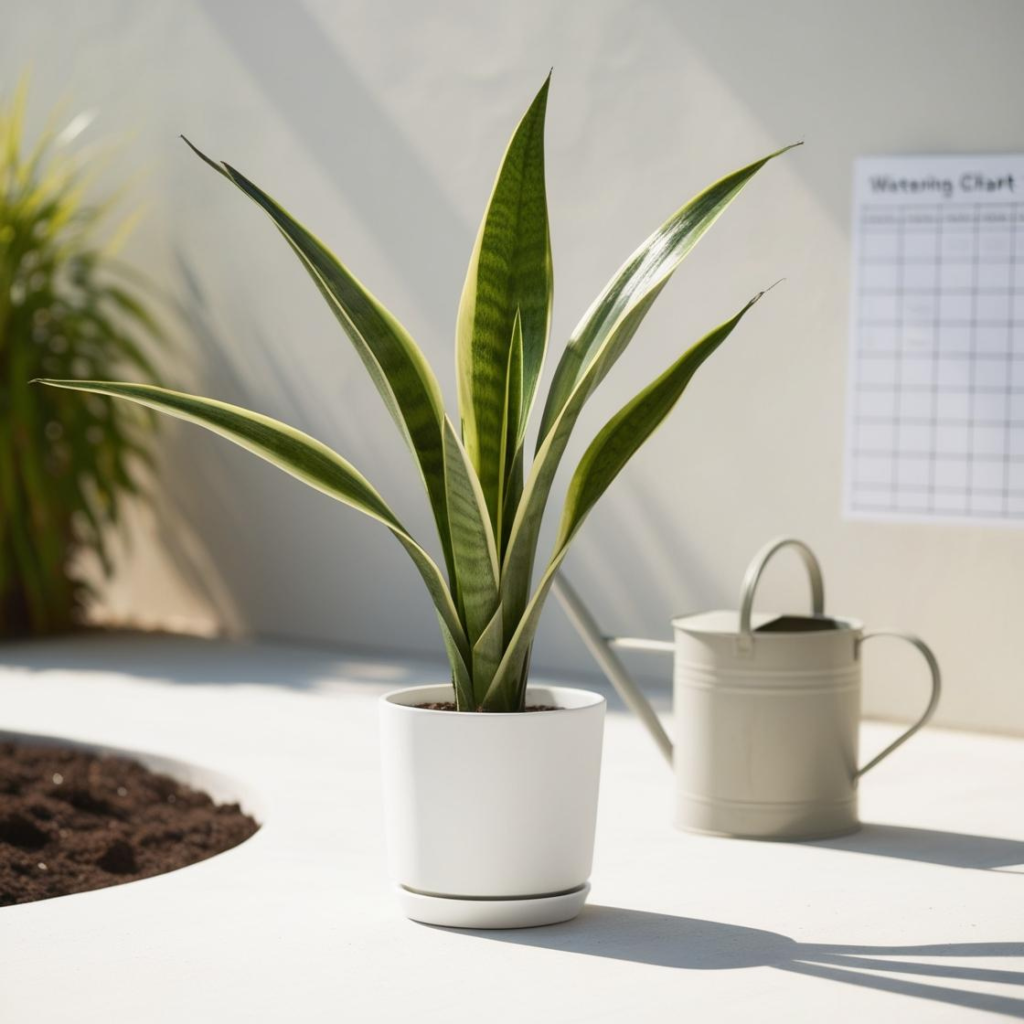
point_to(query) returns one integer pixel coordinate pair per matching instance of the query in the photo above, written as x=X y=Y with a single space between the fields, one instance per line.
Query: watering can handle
x=753 y=577
x=933 y=667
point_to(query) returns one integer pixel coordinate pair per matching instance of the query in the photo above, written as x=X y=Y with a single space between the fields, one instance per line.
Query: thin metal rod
x=606 y=658
x=639 y=643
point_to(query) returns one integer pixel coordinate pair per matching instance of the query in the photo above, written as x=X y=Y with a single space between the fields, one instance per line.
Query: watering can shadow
x=767 y=710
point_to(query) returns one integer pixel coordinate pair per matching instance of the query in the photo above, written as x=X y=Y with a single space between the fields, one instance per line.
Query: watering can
x=767 y=710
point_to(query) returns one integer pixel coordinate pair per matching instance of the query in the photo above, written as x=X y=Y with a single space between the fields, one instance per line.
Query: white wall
x=381 y=124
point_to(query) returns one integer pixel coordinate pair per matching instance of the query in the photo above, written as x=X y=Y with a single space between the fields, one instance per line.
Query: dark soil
x=447 y=705
x=72 y=821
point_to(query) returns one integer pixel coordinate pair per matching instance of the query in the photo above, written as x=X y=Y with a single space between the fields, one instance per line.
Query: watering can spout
x=602 y=648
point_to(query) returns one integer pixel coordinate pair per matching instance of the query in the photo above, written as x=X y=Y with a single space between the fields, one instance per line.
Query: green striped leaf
x=510 y=270
x=299 y=455
x=473 y=548
x=487 y=653
x=652 y=264
x=602 y=462
x=462 y=682
x=604 y=335
x=517 y=568
x=513 y=426
x=394 y=362
x=621 y=437
x=513 y=495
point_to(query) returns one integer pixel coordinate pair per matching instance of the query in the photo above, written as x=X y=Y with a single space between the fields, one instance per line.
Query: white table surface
x=919 y=917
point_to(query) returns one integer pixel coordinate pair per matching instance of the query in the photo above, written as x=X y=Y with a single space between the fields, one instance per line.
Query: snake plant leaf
x=297 y=454
x=517 y=568
x=462 y=681
x=602 y=462
x=394 y=361
x=487 y=652
x=652 y=264
x=513 y=427
x=629 y=429
x=513 y=495
x=473 y=547
x=510 y=270
x=608 y=329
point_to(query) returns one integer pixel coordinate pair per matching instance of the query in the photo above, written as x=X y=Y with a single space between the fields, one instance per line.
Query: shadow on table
x=661 y=940
x=953 y=849
x=265 y=661
x=190 y=660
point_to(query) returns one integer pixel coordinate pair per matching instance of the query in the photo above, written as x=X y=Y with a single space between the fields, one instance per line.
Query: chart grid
x=937 y=366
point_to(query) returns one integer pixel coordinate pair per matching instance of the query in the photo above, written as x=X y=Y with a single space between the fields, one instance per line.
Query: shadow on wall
x=229 y=567
x=208 y=498
x=230 y=563
x=653 y=561
x=186 y=548
x=771 y=79
x=682 y=943
x=418 y=227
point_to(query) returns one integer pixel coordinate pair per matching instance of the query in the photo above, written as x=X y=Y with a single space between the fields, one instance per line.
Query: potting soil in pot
x=447 y=705
x=72 y=821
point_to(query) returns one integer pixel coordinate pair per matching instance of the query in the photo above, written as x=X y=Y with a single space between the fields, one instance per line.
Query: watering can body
x=766 y=711
x=765 y=740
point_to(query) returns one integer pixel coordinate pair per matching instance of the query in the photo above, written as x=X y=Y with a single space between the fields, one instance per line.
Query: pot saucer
x=452 y=912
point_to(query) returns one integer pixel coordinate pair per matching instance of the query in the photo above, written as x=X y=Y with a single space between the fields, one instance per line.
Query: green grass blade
x=603 y=460
x=510 y=270
x=396 y=365
x=650 y=266
x=297 y=454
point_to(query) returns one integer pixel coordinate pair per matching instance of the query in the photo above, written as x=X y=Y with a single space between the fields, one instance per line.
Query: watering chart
x=935 y=410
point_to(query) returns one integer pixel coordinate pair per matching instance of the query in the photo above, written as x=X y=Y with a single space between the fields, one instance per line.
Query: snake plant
x=487 y=497
x=66 y=307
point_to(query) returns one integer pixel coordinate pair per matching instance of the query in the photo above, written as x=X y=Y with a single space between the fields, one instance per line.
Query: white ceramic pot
x=490 y=817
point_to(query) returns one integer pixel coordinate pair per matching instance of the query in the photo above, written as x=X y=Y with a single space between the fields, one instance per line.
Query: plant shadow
x=396 y=193
x=682 y=943
x=199 y=661
x=952 y=849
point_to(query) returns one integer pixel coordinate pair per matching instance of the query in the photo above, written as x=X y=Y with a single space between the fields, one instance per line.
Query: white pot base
x=452 y=912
